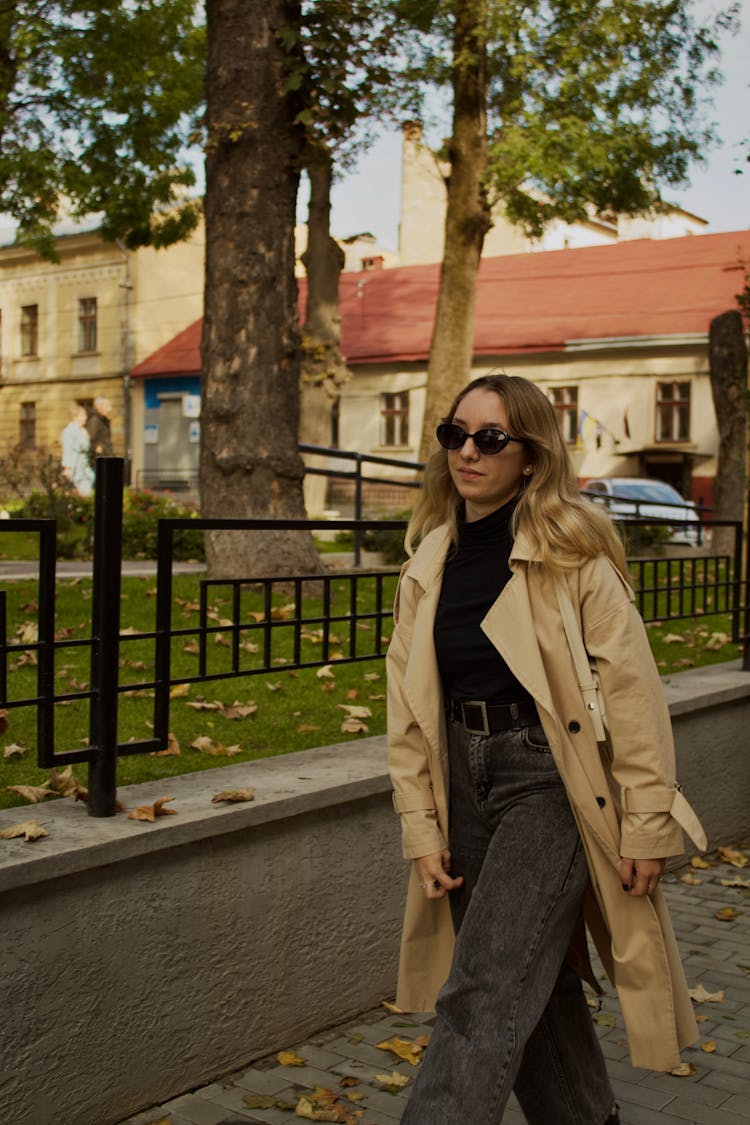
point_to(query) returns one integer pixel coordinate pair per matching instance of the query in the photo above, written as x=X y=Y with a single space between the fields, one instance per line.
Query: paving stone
x=738 y=1104
x=733 y=1083
x=698 y=1114
x=675 y=1087
x=309 y=1076
x=640 y=1095
x=631 y=1114
x=195 y=1110
x=320 y=1057
x=262 y=1081
x=232 y=1098
x=364 y=1052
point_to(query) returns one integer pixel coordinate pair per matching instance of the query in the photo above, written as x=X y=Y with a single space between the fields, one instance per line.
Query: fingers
x=433 y=876
x=641 y=876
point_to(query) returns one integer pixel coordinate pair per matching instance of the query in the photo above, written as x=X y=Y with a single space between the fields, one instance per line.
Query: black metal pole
x=105 y=650
x=358 y=510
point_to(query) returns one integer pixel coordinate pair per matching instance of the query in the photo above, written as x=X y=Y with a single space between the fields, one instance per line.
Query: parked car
x=629 y=498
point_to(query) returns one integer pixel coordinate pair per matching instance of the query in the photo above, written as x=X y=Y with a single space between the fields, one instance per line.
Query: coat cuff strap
x=665 y=800
x=414 y=802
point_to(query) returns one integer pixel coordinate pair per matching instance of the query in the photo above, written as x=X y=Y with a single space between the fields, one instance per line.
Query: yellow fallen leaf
x=354 y=726
x=726 y=914
x=325 y=673
x=393 y=1079
x=348 y=1080
x=731 y=855
x=392 y=1008
x=673 y=639
x=274 y=685
x=403 y=1048
x=709 y=1046
x=306 y=728
x=370 y=677
x=312 y=1109
x=289 y=1058
x=691 y=880
x=701 y=996
x=171 y=750
x=14 y=750
x=697 y=861
x=202 y=743
x=233 y=796
x=205 y=705
x=64 y=782
x=150 y=812
x=684 y=1070
x=29 y=829
x=701 y=1019
x=735 y=882
x=355 y=711
x=179 y=691
x=259 y=1101
x=32 y=793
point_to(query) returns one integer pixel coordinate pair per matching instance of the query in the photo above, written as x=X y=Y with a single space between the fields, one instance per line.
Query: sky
x=369 y=198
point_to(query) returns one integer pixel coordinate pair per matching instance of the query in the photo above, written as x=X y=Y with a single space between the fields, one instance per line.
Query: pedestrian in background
x=517 y=820
x=75 y=451
x=99 y=426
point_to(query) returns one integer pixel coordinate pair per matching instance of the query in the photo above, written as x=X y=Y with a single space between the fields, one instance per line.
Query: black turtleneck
x=473 y=578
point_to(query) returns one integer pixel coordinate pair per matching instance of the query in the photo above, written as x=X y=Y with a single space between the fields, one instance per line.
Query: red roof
x=534 y=302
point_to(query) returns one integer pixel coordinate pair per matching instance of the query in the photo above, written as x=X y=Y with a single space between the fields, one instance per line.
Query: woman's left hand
x=641 y=876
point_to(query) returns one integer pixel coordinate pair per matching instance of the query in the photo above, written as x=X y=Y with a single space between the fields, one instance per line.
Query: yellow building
x=73 y=329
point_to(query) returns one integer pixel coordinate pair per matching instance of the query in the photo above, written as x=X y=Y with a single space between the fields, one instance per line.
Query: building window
x=565 y=402
x=30 y=330
x=333 y=436
x=27 y=435
x=673 y=411
x=87 y=324
x=394 y=418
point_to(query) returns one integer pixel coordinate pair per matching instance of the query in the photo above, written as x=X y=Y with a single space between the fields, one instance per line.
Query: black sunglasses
x=488 y=442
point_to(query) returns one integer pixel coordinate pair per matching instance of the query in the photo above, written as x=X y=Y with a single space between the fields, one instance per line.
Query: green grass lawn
x=263 y=713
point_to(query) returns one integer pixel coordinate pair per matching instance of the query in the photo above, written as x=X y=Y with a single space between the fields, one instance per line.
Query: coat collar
x=427 y=564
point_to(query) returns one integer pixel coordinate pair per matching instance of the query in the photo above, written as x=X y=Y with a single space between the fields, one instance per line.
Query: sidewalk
x=716 y=954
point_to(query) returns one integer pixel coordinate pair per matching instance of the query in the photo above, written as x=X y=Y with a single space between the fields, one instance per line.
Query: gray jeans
x=512 y=1014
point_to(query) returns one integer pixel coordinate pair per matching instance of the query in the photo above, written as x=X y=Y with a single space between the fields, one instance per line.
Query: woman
x=75 y=451
x=545 y=824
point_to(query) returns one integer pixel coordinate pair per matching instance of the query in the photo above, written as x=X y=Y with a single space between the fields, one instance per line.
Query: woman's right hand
x=432 y=874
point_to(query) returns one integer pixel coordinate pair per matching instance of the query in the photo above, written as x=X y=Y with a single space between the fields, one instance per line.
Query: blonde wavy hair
x=563 y=527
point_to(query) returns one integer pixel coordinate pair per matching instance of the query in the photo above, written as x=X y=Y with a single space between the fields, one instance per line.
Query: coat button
x=601 y=802
x=574 y=726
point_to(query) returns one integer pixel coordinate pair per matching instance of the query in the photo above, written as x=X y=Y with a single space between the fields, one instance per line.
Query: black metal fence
x=270 y=623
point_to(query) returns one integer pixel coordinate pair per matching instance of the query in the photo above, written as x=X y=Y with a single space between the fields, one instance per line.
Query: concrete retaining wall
x=141 y=960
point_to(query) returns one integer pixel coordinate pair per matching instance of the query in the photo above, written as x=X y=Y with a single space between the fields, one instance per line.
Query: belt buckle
x=482 y=708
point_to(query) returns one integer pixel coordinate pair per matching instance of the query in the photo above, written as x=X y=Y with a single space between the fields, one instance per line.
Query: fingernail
x=625 y=887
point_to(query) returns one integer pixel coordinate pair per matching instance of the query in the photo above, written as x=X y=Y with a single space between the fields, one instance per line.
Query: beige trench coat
x=626 y=801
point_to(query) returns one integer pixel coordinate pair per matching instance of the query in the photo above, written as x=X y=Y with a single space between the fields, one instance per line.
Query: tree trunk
x=466 y=223
x=324 y=369
x=250 y=464
x=727 y=356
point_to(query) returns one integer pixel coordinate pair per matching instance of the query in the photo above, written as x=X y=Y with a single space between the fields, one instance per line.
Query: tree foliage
x=592 y=107
x=97 y=110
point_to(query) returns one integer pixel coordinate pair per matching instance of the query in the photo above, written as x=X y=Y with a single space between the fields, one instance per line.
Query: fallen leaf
x=735 y=882
x=731 y=855
x=605 y=1019
x=233 y=796
x=354 y=1096
x=4 y=723
x=32 y=793
x=325 y=673
x=700 y=995
x=403 y=1048
x=192 y=647
x=171 y=750
x=28 y=633
x=259 y=1101
x=150 y=812
x=305 y=728
x=701 y=1019
x=709 y=1046
x=392 y=1008
x=290 y=1058
x=354 y=726
x=313 y=1108
x=240 y=710
x=393 y=1081
x=179 y=691
x=726 y=914
x=684 y=1070
x=283 y=612
x=29 y=829
x=697 y=861
x=130 y=631
x=249 y=646
x=355 y=711
x=205 y=705
x=328 y=686
x=276 y=685
x=691 y=880
x=673 y=639
x=202 y=743
x=377 y=698
x=348 y=1080
x=370 y=677
x=15 y=750
x=718 y=640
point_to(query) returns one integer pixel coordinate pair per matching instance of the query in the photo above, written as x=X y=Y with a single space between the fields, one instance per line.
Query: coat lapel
x=509 y=625
x=422 y=677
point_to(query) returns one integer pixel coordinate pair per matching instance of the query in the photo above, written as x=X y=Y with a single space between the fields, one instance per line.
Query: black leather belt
x=479 y=717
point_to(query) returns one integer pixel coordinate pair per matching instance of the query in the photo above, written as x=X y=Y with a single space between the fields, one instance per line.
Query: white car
x=629 y=498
